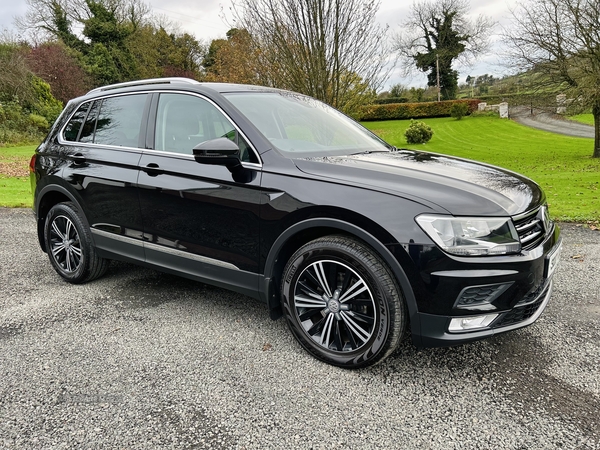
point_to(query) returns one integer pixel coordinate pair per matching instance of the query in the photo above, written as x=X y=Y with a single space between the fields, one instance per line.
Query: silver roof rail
x=144 y=82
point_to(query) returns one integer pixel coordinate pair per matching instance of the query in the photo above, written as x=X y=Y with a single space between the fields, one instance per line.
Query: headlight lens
x=472 y=236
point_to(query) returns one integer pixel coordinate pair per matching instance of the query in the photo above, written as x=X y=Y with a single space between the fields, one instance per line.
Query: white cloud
x=202 y=19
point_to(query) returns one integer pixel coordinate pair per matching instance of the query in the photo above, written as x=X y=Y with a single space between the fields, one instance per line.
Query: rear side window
x=119 y=120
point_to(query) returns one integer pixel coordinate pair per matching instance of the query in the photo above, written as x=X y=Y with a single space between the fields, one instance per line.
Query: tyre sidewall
x=69 y=210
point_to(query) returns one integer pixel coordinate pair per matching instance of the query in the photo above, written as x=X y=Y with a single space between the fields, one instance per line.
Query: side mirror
x=220 y=151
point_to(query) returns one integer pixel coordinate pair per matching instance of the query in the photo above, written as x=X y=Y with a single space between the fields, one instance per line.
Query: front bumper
x=518 y=289
x=434 y=328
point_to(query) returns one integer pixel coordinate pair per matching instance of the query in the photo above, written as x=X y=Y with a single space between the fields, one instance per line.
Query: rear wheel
x=69 y=245
x=342 y=303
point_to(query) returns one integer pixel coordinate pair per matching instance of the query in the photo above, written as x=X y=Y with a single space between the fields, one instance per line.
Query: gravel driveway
x=140 y=359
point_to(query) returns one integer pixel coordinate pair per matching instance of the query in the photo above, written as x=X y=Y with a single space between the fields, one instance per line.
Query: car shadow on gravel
x=134 y=287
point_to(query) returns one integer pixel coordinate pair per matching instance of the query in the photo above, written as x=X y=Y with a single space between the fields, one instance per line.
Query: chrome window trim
x=187 y=157
x=63 y=141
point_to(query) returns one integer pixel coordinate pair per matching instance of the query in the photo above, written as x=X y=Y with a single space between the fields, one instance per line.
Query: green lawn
x=583 y=118
x=562 y=165
x=15 y=190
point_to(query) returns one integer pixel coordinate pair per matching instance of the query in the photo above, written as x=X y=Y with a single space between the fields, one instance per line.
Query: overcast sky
x=203 y=19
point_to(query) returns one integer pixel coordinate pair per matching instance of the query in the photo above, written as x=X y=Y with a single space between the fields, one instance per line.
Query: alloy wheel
x=335 y=306
x=65 y=244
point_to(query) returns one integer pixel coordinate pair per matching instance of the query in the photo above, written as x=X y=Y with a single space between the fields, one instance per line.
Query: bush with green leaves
x=418 y=132
x=459 y=110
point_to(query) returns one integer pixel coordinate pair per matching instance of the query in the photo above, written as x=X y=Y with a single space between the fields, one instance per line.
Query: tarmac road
x=542 y=119
x=139 y=359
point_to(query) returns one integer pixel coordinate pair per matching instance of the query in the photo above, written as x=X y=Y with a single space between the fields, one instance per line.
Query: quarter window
x=72 y=129
x=87 y=130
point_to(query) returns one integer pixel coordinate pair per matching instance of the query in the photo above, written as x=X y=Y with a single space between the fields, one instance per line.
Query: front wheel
x=69 y=245
x=342 y=303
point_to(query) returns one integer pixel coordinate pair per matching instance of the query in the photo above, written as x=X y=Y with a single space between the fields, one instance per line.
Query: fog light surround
x=471 y=323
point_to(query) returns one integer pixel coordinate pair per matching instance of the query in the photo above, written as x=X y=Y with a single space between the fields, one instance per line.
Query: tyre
x=69 y=245
x=342 y=302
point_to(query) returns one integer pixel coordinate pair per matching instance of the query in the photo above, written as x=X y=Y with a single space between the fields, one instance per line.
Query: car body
x=276 y=196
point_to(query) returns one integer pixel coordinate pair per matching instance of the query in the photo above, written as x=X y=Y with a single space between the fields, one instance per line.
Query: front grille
x=532 y=228
x=519 y=314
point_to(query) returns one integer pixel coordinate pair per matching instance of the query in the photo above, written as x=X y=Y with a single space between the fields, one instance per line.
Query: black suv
x=275 y=195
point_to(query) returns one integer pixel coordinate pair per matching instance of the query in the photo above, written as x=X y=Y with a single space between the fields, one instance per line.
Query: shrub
x=39 y=122
x=458 y=110
x=418 y=132
x=399 y=111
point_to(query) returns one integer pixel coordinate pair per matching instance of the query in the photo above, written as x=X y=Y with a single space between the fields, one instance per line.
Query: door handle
x=152 y=169
x=78 y=158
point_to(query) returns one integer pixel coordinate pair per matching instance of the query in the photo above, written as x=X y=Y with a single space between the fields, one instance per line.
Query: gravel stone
x=139 y=359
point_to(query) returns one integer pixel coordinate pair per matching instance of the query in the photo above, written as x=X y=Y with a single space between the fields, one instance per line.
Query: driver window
x=184 y=121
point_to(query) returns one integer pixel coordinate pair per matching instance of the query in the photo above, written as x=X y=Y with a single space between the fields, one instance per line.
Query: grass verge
x=15 y=190
x=583 y=118
x=562 y=165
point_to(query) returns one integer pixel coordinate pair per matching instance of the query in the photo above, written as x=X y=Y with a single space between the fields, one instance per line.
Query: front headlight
x=472 y=236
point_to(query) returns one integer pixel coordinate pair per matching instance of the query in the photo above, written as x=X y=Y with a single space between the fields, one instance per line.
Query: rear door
x=198 y=219
x=102 y=143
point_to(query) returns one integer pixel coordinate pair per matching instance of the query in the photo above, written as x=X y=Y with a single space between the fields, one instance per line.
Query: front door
x=197 y=218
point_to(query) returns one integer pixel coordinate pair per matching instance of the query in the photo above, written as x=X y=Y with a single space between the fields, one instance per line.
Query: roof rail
x=144 y=82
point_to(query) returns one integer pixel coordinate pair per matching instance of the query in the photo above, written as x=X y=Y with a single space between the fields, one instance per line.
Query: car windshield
x=301 y=126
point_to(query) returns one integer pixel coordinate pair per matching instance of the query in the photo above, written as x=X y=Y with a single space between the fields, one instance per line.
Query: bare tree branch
x=323 y=48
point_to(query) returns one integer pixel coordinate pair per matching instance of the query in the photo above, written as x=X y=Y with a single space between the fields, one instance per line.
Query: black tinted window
x=119 y=120
x=184 y=121
x=74 y=125
x=87 y=131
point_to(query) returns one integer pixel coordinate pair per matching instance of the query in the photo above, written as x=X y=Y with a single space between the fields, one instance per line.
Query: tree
x=559 y=40
x=116 y=40
x=159 y=53
x=15 y=75
x=53 y=63
x=398 y=90
x=317 y=47
x=26 y=102
x=56 y=17
x=438 y=33
x=232 y=60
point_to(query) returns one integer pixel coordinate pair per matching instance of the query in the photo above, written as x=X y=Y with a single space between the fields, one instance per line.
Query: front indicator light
x=471 y=323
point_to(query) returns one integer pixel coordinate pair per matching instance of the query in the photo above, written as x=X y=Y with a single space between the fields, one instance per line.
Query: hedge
x=385 y=101
x=413 y=110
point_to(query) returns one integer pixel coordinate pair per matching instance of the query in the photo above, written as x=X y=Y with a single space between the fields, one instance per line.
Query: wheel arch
x=307 y=230
x=45 y=200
